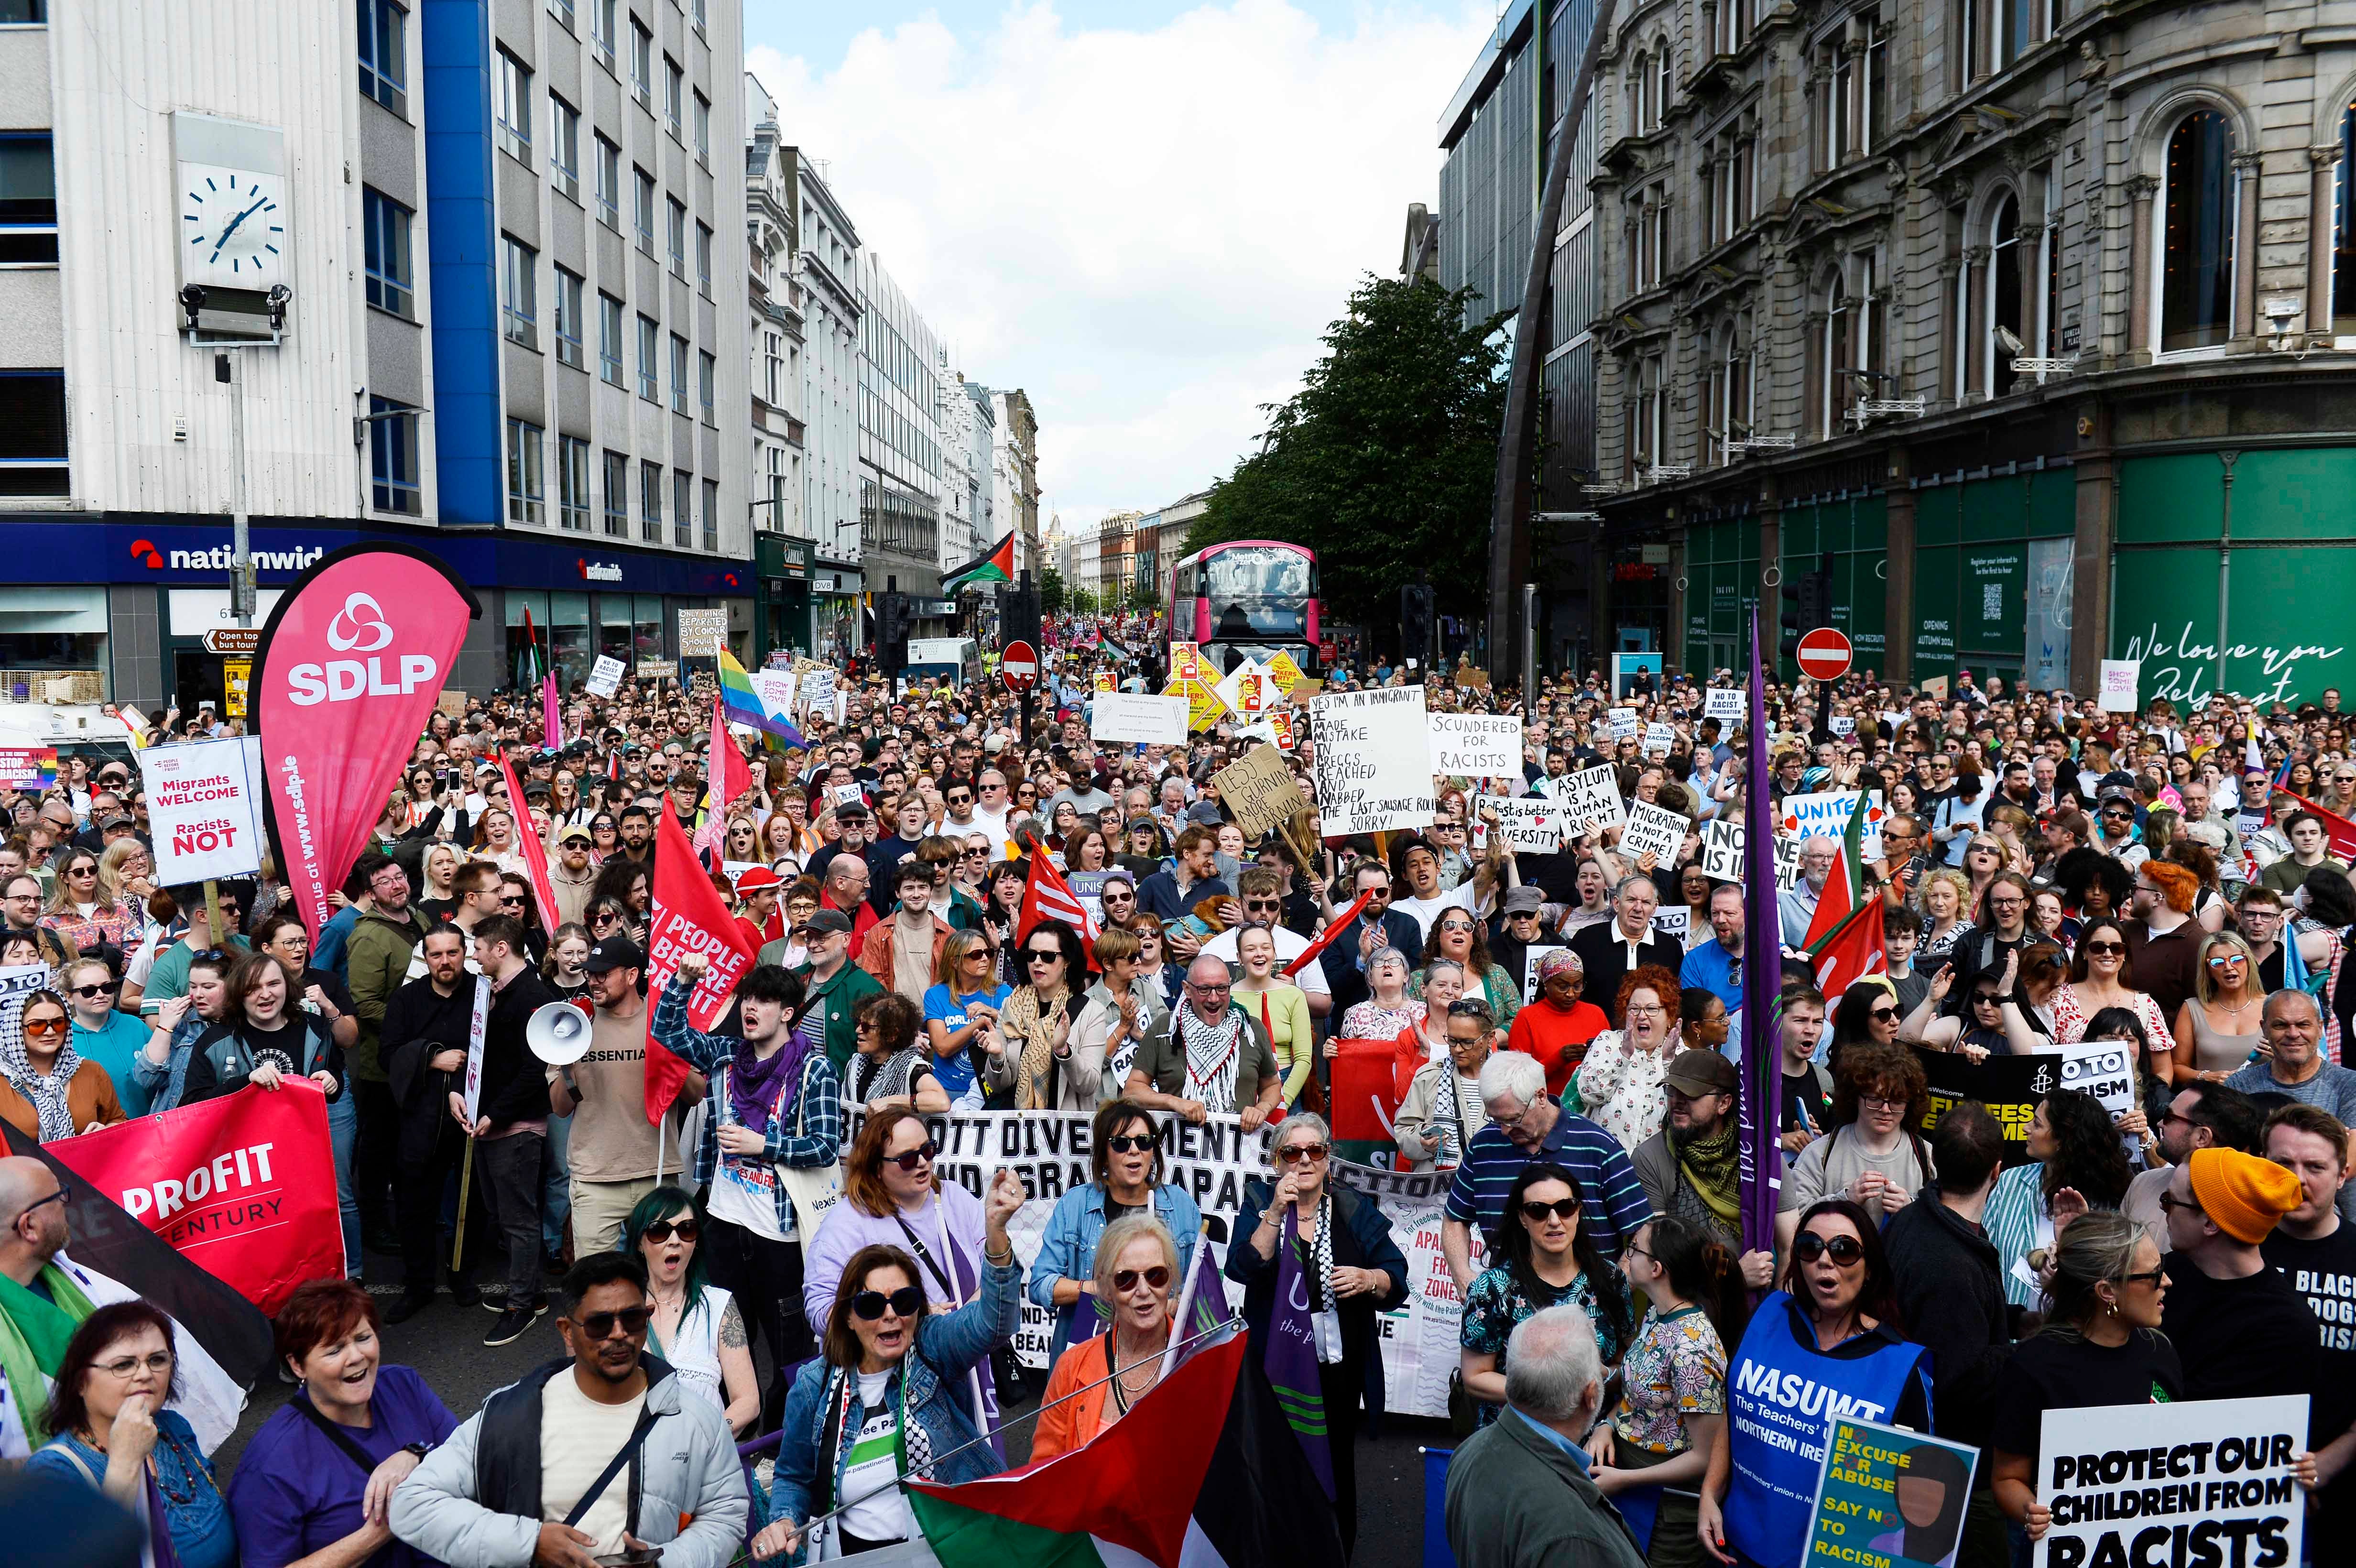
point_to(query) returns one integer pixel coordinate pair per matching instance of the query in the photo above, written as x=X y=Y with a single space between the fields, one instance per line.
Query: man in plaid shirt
x=776 y=1101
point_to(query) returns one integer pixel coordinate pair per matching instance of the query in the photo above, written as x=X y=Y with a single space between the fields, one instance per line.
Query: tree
x=1144 y=594
x=1052 y=599
x=1385 y=462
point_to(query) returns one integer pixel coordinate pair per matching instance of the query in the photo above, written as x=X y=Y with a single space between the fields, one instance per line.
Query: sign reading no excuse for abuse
x=1373 y=759
x=2202 y=1484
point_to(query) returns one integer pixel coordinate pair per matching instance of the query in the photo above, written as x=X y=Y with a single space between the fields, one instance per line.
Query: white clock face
x=234 y=227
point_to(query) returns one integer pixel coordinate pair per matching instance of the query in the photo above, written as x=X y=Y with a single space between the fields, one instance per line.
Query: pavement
x=443 y=1345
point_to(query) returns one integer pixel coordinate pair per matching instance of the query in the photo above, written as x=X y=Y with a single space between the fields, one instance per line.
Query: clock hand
x=233 y=223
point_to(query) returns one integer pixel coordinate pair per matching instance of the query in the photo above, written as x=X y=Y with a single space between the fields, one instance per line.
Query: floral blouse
x=1370 y=1019
x=2070 y=1016
x=1496 y=1303
x=1620 y=1085
x=1675 y=1368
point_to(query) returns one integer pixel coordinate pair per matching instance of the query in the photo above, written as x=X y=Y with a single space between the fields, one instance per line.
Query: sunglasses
x=1042 y=957
x=664 y=1229
x=2097 y=948
x=108 y=989
x=1844 y=1251
x=44 y=1027
x=1133 y=1143
x=909 y=1160
x=906 y=1302
x=1562 y=1208
x=1126 y=1279
x=1882 y=1015
x=600 y=1325
x=1302 y=1154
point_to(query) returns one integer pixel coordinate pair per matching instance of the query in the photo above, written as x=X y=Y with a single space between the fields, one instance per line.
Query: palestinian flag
x=1201 y=1473
x=996 y=565
x=1844 y=940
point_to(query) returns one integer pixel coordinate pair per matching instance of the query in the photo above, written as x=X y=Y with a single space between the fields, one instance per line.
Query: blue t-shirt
x=114 y=1049
x=955 y=1070
x=297 y=1491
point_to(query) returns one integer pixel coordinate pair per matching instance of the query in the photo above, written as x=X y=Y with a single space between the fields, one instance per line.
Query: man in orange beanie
x=2239 y=1327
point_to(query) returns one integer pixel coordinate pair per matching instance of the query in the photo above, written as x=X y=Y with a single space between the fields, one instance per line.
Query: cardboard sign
x=1258 y=789
x=1623 y=722
x=1478 y=680
x=1674 y=920
x=1660 y=737
x=205 y=809
x=2224 y=1491
x=1721 y=851
x=1533 y=826
x=702 y=633
x=605 y=677
x=656 y=669
x=1591 y=795
x=1888 y=1496
x=1476 y=745
x=1185 y=662
x=1531 y=958
x=1728 y=704
x=2119 y=680
x=1134 y=717
x=451 y=703
x=1652 y=831
x=1826 y=817
x=28 y=767
x=1373 y=759
x=1303 y=690
x=1935 y=687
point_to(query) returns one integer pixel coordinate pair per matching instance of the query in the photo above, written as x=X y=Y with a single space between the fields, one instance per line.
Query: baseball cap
x=1525 y=900
x=758 y=879
x=614 y=953
x=575 y=832
x=1693 y=1072
x=827 y=921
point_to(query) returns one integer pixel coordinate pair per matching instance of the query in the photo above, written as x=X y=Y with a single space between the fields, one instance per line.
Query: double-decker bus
x=1247 y=598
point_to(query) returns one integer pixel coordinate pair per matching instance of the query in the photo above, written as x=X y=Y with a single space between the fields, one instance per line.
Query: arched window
x=2004 y=295
x=2196 y=245
x=1840 y=355
x=2343 y=229
x=1665 y=82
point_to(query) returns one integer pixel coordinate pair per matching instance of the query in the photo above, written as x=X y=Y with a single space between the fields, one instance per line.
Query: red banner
x=686 y=917
x=243 y=1186
x=344 y=681
x=1365 y=1089
x=535 y=852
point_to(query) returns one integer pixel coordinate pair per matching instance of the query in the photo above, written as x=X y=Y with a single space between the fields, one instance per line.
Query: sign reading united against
x=1373 y=759
x=204 y=810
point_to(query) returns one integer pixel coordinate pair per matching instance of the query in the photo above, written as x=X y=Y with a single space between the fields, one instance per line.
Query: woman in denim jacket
x=886 y=1399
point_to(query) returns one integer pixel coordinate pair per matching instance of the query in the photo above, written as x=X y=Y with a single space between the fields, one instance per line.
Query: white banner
x=1726 y=704
x=2213 y=1474
x=1722 y=850
x=605 y=677
x=1373 y=759
x=1826 y=817
x=1592 y=796
x=204 y=808
x=2119 y=680
x=1476 y=745
x=1132 y=716
x=1652 y=831
x=1535 y=826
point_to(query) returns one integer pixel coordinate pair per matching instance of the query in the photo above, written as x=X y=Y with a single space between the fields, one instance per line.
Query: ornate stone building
x=2032 y=319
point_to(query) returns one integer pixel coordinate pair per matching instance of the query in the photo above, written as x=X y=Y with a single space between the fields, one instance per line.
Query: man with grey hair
x=1520 y=1494
x=2292 y=1023
x=1795 y=908
x=1525 y=1126
x=1203 y=1053
x=1611 y=950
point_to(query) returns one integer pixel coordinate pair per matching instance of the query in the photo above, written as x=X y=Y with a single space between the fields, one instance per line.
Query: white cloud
x=1147 y=231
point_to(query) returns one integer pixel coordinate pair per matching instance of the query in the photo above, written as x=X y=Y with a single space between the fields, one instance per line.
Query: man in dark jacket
x=1518 y=1489
x=1610 y=950
x=510 y=1126
x=1951 y=1287
x=423 y=1048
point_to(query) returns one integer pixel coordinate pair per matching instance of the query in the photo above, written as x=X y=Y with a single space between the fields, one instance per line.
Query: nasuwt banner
x=244 y=1186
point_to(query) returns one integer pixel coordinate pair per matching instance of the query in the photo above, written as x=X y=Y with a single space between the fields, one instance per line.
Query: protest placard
x=1787 y=862
x=817 y=683
x=450 y=702
x=775 y=689
x=2119 y=680
x=1531 y=959
x=1373 y=759
x=702 y=633
x=1103 y=681
x=1476 y=745
x=1258 y=790
x=2012 y=1087
x=1250 y=690
x=1721 y=851
x=1659 y=738
x=2199 y=1481
x=25 y=768
x=1185 y=661
x=1725 y=703
x=1841 y=724
x=1624 y=723
x=1534 y=826
x=1888 y=1496
x=1652 y=831
x=1284 y=671
x=1129 y=717
x=1674 y=920
x=205 y=809
x=1203 y=704
x=1826 y=817
x=656 y=669
x=1591 y=795
x=605 y=677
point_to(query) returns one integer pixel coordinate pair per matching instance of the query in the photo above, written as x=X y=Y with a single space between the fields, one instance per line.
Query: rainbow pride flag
x=744 y=705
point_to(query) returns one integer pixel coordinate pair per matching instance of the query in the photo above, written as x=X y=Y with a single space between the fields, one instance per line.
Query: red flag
x=726 y=774
x=1325 y=938
x=1046 y=896
x=1850 y=950
x=345 y=680
x=2341 y=832
x=686 y=917
x=535 y=853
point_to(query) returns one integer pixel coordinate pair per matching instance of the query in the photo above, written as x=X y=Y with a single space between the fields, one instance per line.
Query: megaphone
x=557 y=1034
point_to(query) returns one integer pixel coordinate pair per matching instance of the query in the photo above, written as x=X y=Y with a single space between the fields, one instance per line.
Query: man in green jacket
x=1518 y=1491
x=376 y=964
x=834 y=983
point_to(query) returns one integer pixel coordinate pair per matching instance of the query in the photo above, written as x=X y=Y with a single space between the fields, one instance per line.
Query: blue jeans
x=343 y=1135
x=556 y=1187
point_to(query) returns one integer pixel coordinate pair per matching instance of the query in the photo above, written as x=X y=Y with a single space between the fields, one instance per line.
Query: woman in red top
x=1557 y=1027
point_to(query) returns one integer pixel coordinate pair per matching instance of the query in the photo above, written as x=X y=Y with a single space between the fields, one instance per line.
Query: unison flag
x=1760 y=1155
x=344 y=681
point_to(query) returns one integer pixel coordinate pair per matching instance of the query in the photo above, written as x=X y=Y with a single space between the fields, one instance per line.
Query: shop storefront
x=783 y=568
x=836 y=606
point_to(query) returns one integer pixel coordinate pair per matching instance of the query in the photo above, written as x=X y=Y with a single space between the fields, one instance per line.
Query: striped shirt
x=1612 y=1199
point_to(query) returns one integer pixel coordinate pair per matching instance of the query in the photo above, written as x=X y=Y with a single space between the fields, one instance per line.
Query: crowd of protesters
x=2051 y=874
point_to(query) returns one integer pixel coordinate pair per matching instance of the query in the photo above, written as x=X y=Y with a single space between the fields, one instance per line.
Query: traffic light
x=1018 y=617
x=1808 y=604
x=892 y=631
x=1415 y=623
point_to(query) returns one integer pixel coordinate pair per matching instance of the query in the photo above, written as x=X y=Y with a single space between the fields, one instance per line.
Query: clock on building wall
x=235 y=225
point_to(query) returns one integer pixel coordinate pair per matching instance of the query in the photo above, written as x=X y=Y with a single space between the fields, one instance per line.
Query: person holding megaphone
x=600 y=1080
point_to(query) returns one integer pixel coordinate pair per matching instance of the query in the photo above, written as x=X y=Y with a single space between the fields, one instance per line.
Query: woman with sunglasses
x=2100 y=976
x=1096 y=1380
x=604 y=838
x=1126 y=1176
x=1834 y=1326
x=1457 y=935
x=886 y=1066
x=1979 y=1030
x=2101 y=1345
x=1351 y=1273
x=46 y=1091
x=999 y=911
x=2219 y=1023
x=960 y=1008
x=1155 y=964
x=2075 y=1164
x=1546 y=1259
x=860 y=1416
x=696 y=1326
x=1123 y=1007
x=517 y=898
x=1025 y=1048
x=80 y=913
x=104 y=1034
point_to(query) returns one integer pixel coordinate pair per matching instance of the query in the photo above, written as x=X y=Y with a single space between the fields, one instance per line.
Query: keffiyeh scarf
x=1321 y=1252
x=1212 y=1056
x=47 y=1094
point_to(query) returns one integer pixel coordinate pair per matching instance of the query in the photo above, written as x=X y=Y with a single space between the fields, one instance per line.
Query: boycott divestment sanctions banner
x=2012 y=1087
x=2201 y=1482
x=244 y=1187
x=1049 y=1150
x=346 y=677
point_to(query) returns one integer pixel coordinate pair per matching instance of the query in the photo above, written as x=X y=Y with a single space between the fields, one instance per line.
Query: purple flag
x=1291 y=1357
x=1761 y=1152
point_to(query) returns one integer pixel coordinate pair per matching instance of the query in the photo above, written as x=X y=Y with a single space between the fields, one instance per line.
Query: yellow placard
x=1281 y=723
x=1284 y=671
x=1204 y=706
x=1185 y=662
x=235 y=673
x=1104 y=680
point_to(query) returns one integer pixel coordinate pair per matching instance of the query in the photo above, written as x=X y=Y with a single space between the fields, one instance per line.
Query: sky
x=1143 y=213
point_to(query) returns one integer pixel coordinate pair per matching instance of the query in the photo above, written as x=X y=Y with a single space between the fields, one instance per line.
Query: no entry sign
x=1019 y=666
x=1824 y=654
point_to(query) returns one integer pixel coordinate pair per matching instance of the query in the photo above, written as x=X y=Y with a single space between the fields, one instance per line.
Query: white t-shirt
x=875 y=1507
x=744 y=1186
x=578 y=1438
x=1426 y=911
x=1290 y=944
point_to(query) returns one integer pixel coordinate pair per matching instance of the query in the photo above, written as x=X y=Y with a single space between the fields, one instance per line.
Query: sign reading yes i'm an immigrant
x=1373 y=759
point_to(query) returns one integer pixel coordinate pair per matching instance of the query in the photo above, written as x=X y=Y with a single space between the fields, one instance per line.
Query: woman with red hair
x=1620 y=1081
